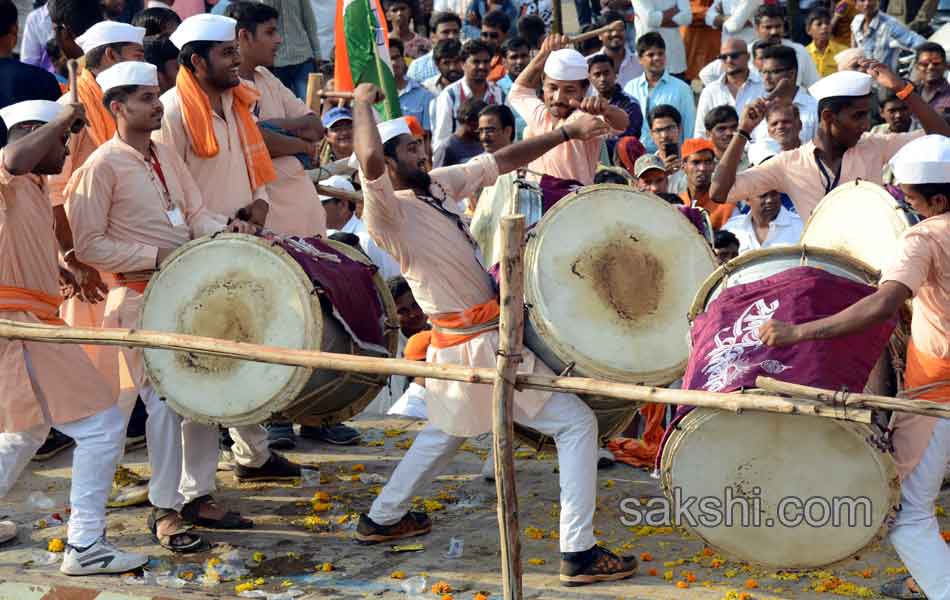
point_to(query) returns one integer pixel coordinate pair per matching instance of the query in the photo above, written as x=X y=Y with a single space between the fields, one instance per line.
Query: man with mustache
x=561 y=72
x=208 y=123
x=131 y=204
x=413 y=215
x=476 y=61
x=447 y=55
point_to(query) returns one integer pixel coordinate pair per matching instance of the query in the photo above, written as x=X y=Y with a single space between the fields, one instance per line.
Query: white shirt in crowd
x=37 y=31
x=807 y=71
x=808 y=112
x=388 y=267
x=738 y=13
x=649 y=16
x=325 y=13
x=717 y=94
x=785 y=230
x=630 y=69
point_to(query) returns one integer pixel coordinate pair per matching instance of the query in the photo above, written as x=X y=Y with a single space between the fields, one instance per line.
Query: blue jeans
x=295 y=77
x=587 y=10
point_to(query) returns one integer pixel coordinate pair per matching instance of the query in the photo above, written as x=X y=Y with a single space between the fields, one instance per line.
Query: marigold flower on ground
x=716 y=563
x=244 y=587
x=751 y=584
x=359 y=468
x=646 y=556
x=397 y=575
x=690 y=576
x=441 y=587
x=326 y=567
x=652 y=572
x=708 y=552
x=536 y=561
x=321 y=497
x=682 y=585
x=56 y=545
x=480 y=596
x=258 y=557
x=668 y=575
x=745 y=596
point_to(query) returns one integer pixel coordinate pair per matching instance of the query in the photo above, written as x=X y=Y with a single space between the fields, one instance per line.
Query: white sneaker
x=605 y=458
x=7 y=531
x=100 y=558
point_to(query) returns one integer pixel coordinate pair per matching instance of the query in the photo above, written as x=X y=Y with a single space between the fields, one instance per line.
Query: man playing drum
x=842 y=150
x=410 y=214
x=131 y=204
x=209 y=123
x=920 y=270
x=51 y=384
x=565 y=99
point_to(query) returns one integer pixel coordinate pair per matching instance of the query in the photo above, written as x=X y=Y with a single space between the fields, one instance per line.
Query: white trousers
x=200 y=448
x=916 y=533
x=99 y=441
x=565 y=418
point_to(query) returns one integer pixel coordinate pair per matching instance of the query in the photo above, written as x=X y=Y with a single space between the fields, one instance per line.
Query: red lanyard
x=153 y=160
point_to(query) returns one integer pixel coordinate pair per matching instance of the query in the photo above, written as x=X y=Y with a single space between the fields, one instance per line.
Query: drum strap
x=439 y=206
x=827 y=180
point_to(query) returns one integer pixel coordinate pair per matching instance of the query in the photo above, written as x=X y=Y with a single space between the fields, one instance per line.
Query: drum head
x=833 y=490
x=759 y=264
x=234 y=287
x=860 y=219
x=608 y=277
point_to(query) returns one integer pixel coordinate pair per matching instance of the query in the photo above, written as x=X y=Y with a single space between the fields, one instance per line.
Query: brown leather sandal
x=191 y=514
x=180 y=541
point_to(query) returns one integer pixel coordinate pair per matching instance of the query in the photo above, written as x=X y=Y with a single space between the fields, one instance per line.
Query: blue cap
x=336 y=114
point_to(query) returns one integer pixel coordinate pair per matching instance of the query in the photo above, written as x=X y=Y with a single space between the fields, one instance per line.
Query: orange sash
x=480 y=314
x=43 y=306
x=642 y=452
x=924 y=369
x=101 y=125
x=417 y=346
x=134 y=283
x=196 y=109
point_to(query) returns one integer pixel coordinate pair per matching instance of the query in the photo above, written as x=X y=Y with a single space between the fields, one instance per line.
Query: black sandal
x=191 y=514
x=180 y=541
x=897 y=588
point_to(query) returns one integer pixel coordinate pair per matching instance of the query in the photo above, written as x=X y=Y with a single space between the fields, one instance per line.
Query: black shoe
x=55 y=443
x=135 y=432
x=594 y=565
x=339 y=435
x=277 y=468
x=280 y=436
x=224 y=439
x=411 y=525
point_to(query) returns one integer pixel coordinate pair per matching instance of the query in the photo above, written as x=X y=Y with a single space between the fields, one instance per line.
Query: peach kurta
x=117 y=207
x=64 y=385
x=223 y=179
x=923 y=265
x=295 y=207
x=441 y=266
x=574 y=159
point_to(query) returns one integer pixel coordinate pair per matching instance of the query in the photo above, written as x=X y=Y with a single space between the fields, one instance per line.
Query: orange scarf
x=196 y=110
x=417 y=346
x=43 y=306
x=924 y=369
x=100 y=124
x=480 y=314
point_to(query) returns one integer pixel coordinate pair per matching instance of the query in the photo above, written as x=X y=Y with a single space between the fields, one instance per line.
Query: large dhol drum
x=799 y=492
x=609 y=273
x=860 y=219
x=249 y=289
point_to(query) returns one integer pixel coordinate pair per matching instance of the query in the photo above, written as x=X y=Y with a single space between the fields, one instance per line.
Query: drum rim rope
x=532 y=290
x=888 y=469
x=285 y=399
x=806 y=255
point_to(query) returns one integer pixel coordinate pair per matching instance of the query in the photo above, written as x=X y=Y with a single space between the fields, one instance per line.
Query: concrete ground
x=297 y=533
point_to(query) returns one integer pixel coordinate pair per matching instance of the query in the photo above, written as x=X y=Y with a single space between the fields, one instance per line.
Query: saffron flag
x=363 y=54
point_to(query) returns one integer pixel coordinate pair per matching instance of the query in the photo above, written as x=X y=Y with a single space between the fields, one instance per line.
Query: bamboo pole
x=557 y=22
x=72 y=69
x=131 y=338
x=920 y=407
x=511 y=331
x=587 y=35
x=314 y=86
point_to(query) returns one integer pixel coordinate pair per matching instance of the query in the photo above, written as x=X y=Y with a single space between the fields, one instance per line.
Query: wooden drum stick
x=72 y=67
x=582 y=37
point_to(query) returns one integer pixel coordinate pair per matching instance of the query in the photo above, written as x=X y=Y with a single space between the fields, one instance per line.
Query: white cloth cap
x=30 y=110
x=204 y=28
x=566 y=64
x=924 y=160
x=337 y=182
x=110 y=32
x=393 y=128
x=762 y=150
x=850 y=84
x=127 y=73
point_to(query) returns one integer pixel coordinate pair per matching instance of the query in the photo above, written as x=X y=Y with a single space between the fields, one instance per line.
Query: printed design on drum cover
x=724 y=363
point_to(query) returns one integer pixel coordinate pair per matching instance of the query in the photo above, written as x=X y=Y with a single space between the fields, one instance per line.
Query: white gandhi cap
x=393 y=128
x=110 y=32
x=337 y=182
x=850 y=84
x=127 y=73
x=924 y=160
x=204 y=28
x=30 y=110
x=566 y=64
